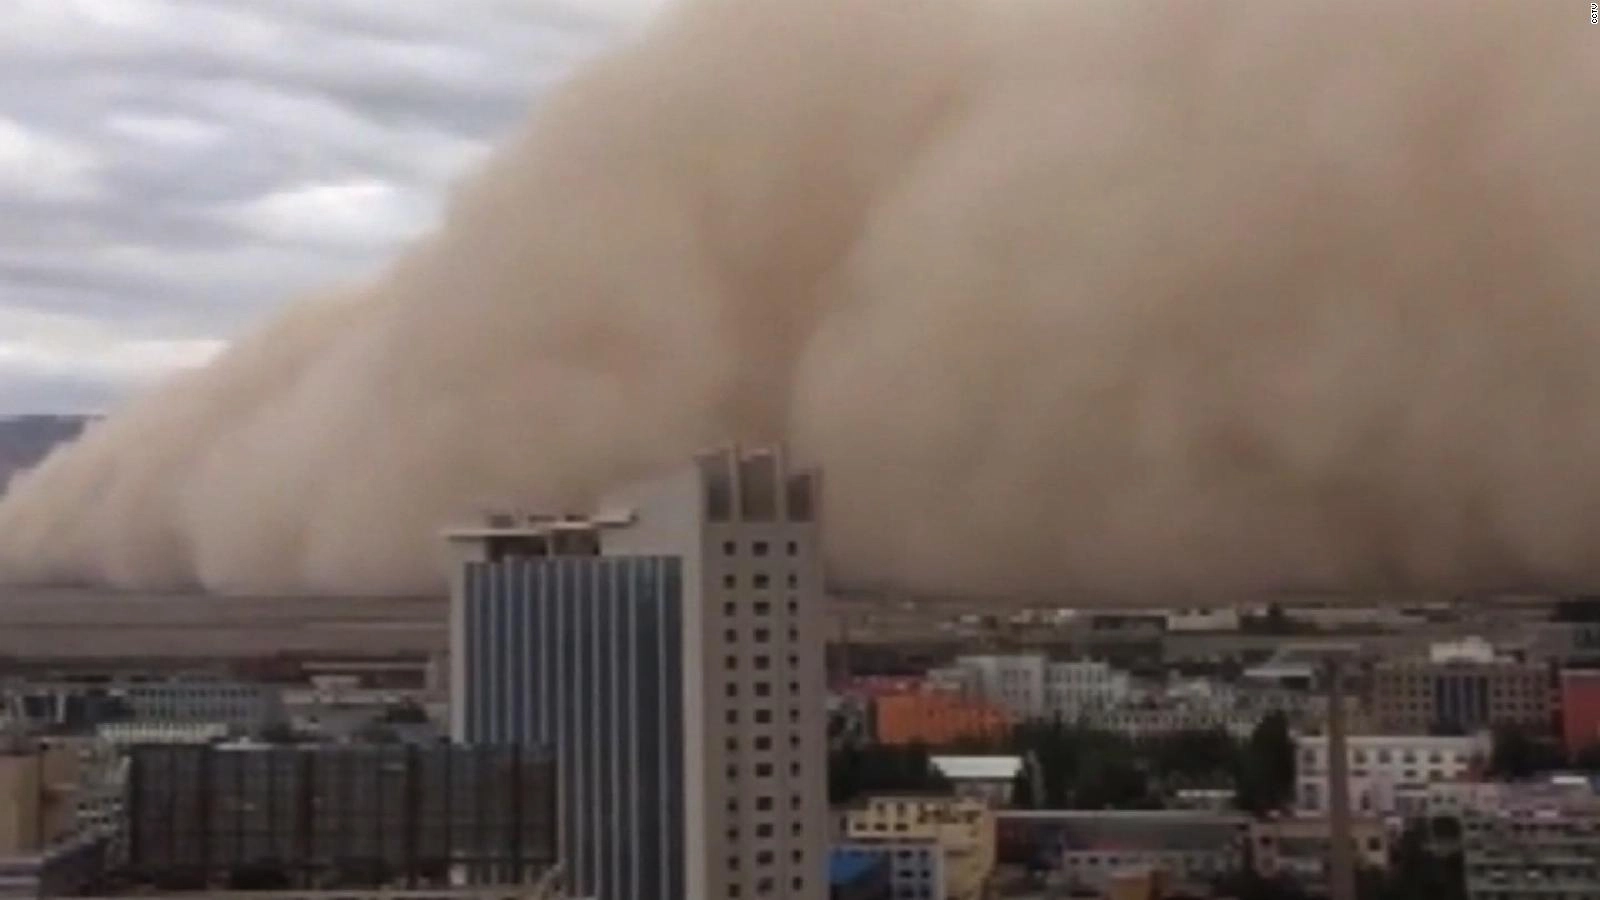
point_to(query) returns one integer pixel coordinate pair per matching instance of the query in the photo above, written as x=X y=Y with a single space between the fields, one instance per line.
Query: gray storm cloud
x=1098 y=296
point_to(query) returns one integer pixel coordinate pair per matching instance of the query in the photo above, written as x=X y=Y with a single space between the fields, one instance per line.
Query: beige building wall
x=755 y=691
x=964 y=829
x=38 y=793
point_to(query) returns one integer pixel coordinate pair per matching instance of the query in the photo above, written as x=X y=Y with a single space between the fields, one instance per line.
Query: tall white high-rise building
x=705 y=586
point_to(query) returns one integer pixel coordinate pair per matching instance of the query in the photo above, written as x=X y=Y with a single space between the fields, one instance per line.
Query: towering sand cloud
x=1096 y=295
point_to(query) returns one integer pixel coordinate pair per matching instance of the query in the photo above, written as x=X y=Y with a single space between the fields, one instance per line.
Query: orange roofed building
x=936 y=718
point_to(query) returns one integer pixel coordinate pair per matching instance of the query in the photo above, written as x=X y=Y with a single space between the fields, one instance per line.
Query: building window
x=729 y=548
x=793 y=548
x=732 y=663
x=797 y=883
x=763 y=663
x=728 y=581
x=733 y=744
x=798 y=856
x=764 y=830
x=763 y=689
x=763 y=803
x=763 y=635
x=794 y=607
x=733 y=717
x=763 y=743
x=794 y=768
x=733 y=771
x=794 y=715
x=733 y=891
x=763 y=716
x=760 y=548
x=794 y=634
x=763 y=770
x=731 y=636
x=732 y=689
x=794 y=801
x=762 y=581
x=764 y=858
x=763 y=608
x=794 y=580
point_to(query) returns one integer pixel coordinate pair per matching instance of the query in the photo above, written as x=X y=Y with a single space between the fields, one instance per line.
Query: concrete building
x=340 y=816
x=1386 y=768
x=1154 y=718
x=915 y=868
x=672 y=653
x=1299 y=848
x=962 y=829
x=1460 y=691
x=44 y=850
x=1030 y=686
x=1533 y=847
x=246 y=708
x=1088 y=849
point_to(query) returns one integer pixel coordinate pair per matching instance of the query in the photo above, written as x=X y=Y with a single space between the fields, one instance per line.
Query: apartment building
x=1030 y=686
x=1460 y=688
x=963 y=830
x=1534 y=846
x=1384 y=769
x=671 y=651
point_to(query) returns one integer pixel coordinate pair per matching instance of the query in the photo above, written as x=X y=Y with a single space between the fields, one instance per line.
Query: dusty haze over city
x=1099 y=296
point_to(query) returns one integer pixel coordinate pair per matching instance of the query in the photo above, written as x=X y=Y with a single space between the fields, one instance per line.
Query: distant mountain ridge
x=26 y=440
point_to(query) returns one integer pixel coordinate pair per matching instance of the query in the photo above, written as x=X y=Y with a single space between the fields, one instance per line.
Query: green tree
x=1518 y=755
x=856 y=771
x=1415 y=872
x=1265 y=778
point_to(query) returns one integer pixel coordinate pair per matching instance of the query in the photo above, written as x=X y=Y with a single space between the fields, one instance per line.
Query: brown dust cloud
x=1063 y=295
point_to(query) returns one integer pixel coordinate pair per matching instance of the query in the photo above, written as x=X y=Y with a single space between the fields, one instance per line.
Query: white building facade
x=1384 y=770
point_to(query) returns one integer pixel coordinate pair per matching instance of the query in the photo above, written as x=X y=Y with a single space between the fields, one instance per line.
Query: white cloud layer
x=171 y=170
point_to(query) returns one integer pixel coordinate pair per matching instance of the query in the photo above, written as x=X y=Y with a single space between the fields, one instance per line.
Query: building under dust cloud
x=1099 y=296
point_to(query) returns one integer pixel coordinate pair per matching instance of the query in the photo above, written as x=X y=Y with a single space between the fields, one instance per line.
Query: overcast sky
x=173 y=170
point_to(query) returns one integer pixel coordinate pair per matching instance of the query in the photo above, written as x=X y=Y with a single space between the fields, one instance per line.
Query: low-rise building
x=1383 y=769
x=128 y=734
x=1088 y=848
x=1299 y=848
x=914 y=869
x=990 y=779
x=962 y=828
x=248 y=708
x=341 y=815
x=1533 y=846
x=936 y=719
